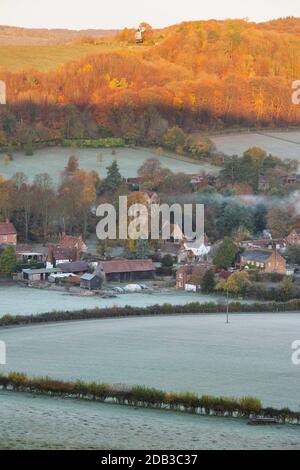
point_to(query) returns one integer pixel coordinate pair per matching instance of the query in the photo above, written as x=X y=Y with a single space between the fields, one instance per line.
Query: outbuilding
x=38 y=275
x=90 y=282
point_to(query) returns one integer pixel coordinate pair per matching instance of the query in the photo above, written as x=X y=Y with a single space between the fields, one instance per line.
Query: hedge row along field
x=140 y=396
x=153 y=310
x=107 y=142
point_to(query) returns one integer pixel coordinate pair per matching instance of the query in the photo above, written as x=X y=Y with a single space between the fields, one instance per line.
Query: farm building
x=91 y=282
x=8 y=234
x=120 y=269
x=38 y=275
x=75 y=267
x=27 y=257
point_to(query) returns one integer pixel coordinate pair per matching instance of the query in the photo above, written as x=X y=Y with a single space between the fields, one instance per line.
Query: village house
x=202 y=180
x=185 y=274
x=68 y=250
x=194 y=251
x=73 y=243
x=266 y=261
x=8 y=234
x=58 y=255
x=263 y=184
x=268 y=244
x=120 y=269
x=294 y=237
x=135 y=183
x=288 y=180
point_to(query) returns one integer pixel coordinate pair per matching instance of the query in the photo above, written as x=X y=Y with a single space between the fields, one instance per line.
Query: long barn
x=120 y=269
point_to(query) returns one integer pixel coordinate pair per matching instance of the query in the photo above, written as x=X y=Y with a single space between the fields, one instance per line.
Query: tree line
x=197 y=75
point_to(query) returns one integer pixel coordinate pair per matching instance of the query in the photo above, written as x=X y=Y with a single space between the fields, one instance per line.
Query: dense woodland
x=196 y=75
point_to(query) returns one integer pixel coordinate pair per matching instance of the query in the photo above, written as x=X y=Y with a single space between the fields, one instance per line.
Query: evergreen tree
x=208 y=282
x=142 y=249
x=8 y=260
x=113 y=180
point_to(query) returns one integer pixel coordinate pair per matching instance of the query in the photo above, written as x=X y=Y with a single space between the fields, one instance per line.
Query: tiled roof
x=23 y=248
x=120 y=265
x=70 y=242
x=258 y=256
x=64 y=253
x=7 y=228
x=74 y=267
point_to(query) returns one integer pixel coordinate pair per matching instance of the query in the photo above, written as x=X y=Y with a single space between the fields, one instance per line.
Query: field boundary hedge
x=153 y=310
x=143 y=397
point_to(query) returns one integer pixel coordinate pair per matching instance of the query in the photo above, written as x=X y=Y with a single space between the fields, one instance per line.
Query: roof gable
x=7 y=228
x=257 y=256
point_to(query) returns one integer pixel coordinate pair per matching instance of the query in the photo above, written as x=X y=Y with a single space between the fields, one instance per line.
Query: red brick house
x=68 y=250
x=120 y=269
x=266 y=261
x=8 y=234
x=294 y=237
x=57 y=255
x=184 y=275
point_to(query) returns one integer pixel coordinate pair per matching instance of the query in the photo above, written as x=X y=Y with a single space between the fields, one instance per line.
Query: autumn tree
x=152 y=173
x=176 y=183
x=77 y=193
x=238 y=283
x=278 y=222
x=44 y=199
x=72 y=165
x=174 y=139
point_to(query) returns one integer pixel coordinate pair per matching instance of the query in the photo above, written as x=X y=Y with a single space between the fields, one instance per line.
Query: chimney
x=50 y=253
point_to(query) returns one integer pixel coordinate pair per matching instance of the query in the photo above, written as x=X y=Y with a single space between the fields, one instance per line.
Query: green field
x=43 y=58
